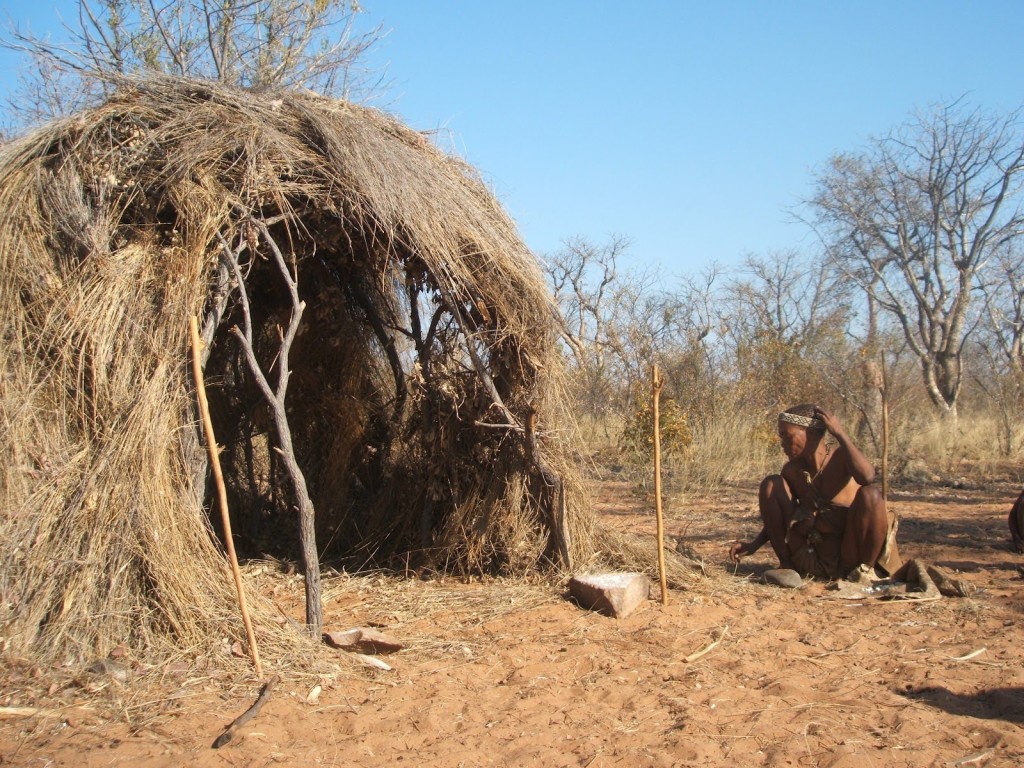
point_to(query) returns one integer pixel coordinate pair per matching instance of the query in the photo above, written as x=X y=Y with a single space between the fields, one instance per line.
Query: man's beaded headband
x=802 y=421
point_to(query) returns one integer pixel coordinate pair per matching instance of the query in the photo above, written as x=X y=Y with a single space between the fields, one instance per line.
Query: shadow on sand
x=990 y=704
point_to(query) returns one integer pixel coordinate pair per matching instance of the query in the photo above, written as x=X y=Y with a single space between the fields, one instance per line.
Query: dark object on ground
x=1016 y=523
x=248 y=715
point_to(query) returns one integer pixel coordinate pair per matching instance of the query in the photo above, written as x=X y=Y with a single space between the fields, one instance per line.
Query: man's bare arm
x=740 y=549
x=861 y=470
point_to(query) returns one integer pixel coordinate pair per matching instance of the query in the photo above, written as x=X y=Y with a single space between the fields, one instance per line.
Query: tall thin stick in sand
x=885 y=430
x=222 y=495
x=656 y=383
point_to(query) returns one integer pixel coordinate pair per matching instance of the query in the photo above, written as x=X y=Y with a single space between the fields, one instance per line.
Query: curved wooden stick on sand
x=248 y=715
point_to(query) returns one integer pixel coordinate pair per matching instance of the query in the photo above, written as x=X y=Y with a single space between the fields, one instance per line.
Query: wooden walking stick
x=885 y=431
x=656 y=383
x=222 y=495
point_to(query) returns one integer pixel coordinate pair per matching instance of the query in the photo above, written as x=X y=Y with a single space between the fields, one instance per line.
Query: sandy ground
x=497 y=674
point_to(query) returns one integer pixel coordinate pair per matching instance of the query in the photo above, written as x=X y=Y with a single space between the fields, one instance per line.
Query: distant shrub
x=638 y=434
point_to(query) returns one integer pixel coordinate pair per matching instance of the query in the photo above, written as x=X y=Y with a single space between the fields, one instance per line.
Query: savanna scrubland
x=905 y=318
x=501 y=668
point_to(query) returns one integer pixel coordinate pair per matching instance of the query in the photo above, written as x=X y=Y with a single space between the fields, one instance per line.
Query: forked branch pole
x=275 y=399
x=557 y=518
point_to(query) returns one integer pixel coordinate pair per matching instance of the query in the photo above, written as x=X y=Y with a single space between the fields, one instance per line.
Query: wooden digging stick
x=222 y=495
x=656 y=382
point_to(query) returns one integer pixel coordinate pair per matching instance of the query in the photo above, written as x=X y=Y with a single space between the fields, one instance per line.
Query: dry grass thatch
x=425 y=356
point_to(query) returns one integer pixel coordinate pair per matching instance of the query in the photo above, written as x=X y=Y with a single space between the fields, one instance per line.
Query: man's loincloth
x=821 y=553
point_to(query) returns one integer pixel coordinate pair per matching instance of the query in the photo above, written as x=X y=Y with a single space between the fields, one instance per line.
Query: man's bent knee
x=773 y=502
x=773 y=485
x=869 y=497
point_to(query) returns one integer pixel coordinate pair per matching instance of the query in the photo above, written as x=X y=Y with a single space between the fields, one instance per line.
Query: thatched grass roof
x=425 y=356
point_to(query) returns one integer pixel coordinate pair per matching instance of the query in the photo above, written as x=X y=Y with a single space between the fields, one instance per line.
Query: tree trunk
x=942 y=385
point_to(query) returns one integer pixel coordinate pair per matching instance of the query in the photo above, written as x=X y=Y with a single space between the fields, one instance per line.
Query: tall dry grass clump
x=424 y=394
x=729 y=451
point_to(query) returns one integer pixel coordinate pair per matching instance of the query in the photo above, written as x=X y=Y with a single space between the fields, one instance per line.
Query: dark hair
x=804 y=409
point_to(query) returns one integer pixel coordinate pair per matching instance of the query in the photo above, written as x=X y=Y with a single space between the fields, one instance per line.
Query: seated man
x=1016 y=521
x=822 y=514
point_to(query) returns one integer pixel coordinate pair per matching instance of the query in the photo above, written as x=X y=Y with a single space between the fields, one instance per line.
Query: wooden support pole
x=557 y=518
x=656 y=384
x=222 y=496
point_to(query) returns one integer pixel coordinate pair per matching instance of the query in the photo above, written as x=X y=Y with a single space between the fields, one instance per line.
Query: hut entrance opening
x=389 y=418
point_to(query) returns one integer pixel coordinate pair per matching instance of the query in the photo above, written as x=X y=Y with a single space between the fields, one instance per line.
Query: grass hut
x=414 y=327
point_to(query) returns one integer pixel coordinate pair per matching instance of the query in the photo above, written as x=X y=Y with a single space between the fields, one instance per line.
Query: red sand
x=797 y=679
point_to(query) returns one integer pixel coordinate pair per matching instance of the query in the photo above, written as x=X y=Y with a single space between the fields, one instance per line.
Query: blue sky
x=692 y=129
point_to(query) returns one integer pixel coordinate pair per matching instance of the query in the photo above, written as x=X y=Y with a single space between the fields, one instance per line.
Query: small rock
x=613 y=594
x=784 y=577
x=346 y=639
x=362 y=640
x=372 y=641
x=178 y=668
x=110 y=667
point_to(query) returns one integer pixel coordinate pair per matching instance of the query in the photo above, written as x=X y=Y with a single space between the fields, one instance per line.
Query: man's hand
x=832 y=424
x=737 y=551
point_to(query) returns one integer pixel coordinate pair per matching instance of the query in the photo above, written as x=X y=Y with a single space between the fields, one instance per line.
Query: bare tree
x=694 y=365
x=582 y=276
x=786 y=297
x=1001 y=343
x=614 y=323
x=917 y=217
x=1004 y=306
x=312 y=44
x=274 y=395
x=644 y=324
x=783 y=315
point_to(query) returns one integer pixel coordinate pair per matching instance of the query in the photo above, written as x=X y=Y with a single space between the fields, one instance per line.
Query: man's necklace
x=824 y=463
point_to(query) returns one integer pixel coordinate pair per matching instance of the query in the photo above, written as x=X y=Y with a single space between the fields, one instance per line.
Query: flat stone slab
x=363 y=640
x=784 y=577
x=613 y=594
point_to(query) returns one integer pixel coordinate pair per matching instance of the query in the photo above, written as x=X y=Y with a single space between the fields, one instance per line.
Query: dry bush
x=940 y=450
x=700 y=451
x=728 y=452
